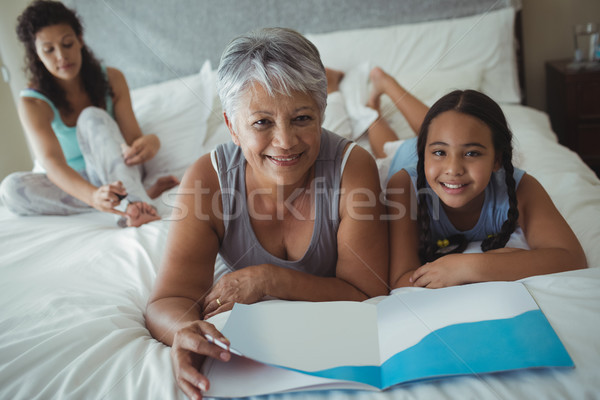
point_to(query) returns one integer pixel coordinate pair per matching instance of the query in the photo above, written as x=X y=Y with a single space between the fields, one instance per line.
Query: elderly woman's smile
x=285 y=161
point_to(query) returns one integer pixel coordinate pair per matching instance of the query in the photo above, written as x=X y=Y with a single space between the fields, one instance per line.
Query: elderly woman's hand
x=141 y=150
x=246 y=286
x=190 y=347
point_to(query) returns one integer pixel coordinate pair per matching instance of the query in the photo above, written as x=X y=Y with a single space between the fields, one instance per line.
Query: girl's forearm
x=514 y=264
x=404 y=280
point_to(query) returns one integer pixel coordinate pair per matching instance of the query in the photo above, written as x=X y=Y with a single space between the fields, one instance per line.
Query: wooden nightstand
x=573 y=101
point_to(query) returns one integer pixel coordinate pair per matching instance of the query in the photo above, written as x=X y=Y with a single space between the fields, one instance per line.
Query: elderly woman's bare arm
x=173 y=314
x=186 y=273
x=363 y=257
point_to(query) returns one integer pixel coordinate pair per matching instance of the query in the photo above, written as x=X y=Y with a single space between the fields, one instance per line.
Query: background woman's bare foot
x=140 y=213
x=162 y=184
x=334 y=77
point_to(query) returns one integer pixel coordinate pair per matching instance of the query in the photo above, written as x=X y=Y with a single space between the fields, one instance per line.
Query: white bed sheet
x=73 y=291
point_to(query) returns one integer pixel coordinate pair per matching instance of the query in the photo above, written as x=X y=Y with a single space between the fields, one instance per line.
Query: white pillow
x=483 y=42
x=430 y=86
x=177 y=112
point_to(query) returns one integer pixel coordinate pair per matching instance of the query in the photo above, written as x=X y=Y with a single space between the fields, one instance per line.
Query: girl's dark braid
x=508 y=227
x=426 y=245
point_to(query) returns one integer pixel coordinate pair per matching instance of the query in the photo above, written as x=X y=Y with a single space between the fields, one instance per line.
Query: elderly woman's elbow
x=578 y=260
x=376 y=286
x=379 y=290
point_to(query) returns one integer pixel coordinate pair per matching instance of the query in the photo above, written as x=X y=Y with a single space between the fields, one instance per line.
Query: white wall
x=14 y=153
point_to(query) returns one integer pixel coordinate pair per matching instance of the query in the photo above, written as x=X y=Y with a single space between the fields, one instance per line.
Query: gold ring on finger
x=219 y=302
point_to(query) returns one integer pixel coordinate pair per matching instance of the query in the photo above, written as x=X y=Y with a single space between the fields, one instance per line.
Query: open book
x=413 y=334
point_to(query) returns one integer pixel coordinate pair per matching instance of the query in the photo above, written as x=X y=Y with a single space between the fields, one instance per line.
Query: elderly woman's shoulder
x=202 y=172
x=358 y=160
x=360 y=170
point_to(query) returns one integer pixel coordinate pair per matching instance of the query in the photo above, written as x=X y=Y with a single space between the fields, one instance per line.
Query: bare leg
x=334 y=78
x=380 y=131
x=162 y=184
x=413 y=110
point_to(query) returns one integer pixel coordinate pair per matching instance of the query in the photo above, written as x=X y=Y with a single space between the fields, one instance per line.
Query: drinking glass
x=586 y=43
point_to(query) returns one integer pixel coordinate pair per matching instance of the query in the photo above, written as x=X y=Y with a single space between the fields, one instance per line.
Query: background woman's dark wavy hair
x=480 y=106
x=43 y=13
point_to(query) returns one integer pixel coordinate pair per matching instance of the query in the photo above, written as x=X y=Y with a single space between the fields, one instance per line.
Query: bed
x=73 y=289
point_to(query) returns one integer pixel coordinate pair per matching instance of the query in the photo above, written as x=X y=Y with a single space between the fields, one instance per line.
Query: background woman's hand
x=190 y=347
x=141 y=150
x=108 y=196
x=245 y=286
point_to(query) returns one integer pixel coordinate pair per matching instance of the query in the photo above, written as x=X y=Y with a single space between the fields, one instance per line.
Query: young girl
x=78 y=118
x=460 y=175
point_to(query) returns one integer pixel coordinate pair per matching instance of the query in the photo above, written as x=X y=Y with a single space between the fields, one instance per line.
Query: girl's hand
x=450 y=270
x=106 y=197
x=190 y=347
x=245 y=286
x=141 y=150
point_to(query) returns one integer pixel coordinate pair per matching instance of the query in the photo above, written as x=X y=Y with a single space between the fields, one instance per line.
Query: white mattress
x=73 y=292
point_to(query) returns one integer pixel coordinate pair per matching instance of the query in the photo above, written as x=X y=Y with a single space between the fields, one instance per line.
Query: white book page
x=408 y=315
x=305 y=336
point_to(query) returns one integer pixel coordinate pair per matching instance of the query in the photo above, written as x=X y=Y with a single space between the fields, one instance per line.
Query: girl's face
x=459 y=160
x=280 y=135
x=59 y=49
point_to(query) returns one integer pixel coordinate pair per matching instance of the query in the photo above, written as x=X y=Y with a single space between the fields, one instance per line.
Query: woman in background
x=79 y=121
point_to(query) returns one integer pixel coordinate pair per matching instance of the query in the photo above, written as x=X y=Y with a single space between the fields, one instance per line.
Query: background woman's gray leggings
x=100 y=140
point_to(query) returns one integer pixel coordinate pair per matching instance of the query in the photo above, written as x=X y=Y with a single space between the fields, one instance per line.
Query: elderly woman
x=294 y=210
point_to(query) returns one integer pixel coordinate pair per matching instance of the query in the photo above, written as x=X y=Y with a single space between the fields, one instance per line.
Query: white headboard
x=156 y=40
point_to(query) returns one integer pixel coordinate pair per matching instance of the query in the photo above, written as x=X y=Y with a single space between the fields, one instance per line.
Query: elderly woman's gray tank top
x=240 y=247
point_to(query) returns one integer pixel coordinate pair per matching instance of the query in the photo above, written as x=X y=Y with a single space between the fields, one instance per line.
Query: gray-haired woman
x=293 y=210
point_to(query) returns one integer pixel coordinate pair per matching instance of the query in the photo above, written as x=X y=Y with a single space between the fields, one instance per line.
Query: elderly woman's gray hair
x=281 y=60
